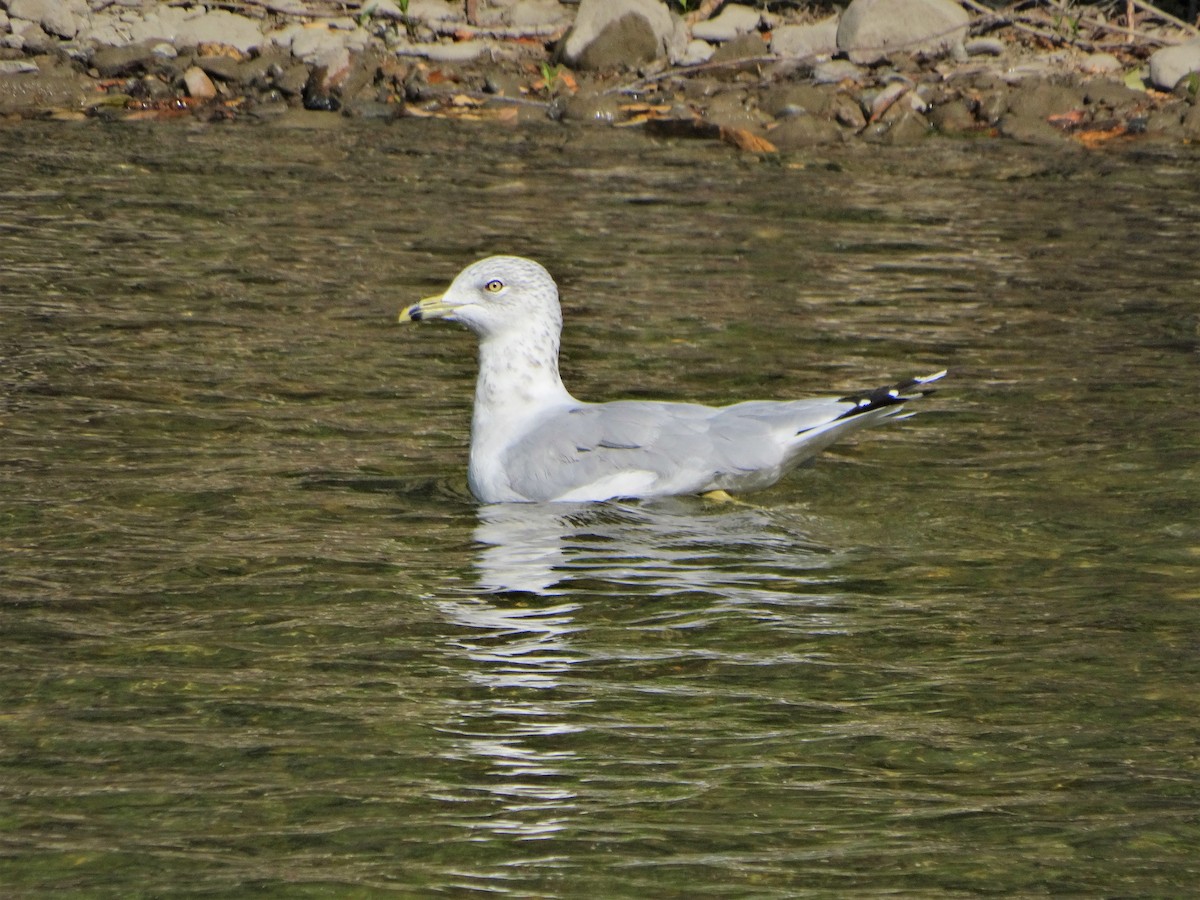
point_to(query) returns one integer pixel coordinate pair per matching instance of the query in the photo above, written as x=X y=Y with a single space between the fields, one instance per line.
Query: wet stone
x=900 y=125
x=729 y=109
x=953 y=117
x=223 y=67
x=785 y=101
x=592 y=108
x=115 y=62
x=803 y=131
x=748 y=46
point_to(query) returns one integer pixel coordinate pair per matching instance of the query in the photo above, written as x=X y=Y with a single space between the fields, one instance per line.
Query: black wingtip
x=890 y=395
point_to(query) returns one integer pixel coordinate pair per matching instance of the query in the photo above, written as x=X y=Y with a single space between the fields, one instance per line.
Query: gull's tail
x=890 y=395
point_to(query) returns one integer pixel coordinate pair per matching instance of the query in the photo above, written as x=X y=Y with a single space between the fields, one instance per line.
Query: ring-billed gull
x=533 y=441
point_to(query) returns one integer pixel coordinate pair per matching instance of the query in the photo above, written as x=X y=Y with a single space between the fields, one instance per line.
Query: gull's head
x=494 y=295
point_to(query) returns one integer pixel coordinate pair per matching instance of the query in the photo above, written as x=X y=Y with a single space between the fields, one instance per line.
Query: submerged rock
x=802 y=131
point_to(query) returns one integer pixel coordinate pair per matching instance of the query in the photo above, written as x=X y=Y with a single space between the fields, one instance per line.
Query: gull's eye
x=494 y=286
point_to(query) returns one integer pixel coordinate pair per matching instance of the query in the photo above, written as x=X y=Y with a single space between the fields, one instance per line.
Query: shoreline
x=760 y=82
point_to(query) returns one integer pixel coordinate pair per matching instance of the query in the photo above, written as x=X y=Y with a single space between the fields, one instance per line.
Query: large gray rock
x=1170 y=64
x=431 y=11
x=534 y=14
x=181 y=27
x=619 y=33
x=326 y=46
x=220 y=27
x=871 y=29
x=65 y=18
x=733 y=22
x=29 y=37
x=806 y=41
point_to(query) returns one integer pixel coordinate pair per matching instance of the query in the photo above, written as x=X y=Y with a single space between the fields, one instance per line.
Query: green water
x=256 y=638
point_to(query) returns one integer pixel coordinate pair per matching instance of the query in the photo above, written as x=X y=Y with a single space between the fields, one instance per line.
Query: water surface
x=256 y=636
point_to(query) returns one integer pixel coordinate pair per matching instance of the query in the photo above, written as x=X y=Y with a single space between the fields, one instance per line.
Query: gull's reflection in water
x=518 y=656
x=519 y=635
x=675 y=544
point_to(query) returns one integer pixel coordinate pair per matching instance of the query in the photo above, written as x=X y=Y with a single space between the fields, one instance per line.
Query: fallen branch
x=457 y=30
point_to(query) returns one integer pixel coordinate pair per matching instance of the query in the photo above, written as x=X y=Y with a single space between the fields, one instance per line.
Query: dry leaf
x=1071 y=119
x=1095 y=137
x=745 y=140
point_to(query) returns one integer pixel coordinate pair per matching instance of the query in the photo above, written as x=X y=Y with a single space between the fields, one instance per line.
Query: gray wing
x=631 y=448
x=596 y=451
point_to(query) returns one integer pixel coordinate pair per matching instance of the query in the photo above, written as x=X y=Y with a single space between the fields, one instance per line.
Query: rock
x=991 y=105
x=729 y=109
x=151 y=87
x=159 y=23
x=1112 y=94
x=592 y=108
x=1029 y=130
x=695 y=53
x=734 y=21
x=199 y=85
x=847 y=112
x=748 y=46
x=611 y=34
x=984 y=47
x=1170 y=64
x=357 y=87
x=788 y=101
x=16 y=67
x=1165 y=124
x=290 y=79
x=384 y=9
x=535 y=14
x=1040 y=100
x=220 y=27
x=431 y=11
x=106 y=31
x=65 y=18
x=871 y=29
x=30 y=37
x=899 y=126
x=188 y=28
x=118 y=62
x=1100 y=64
x=1191 y=123
x=805 y=131
x=836 y=71
x=453 y=52
x=806 y=41
x=224 y=68
x=56 y=87
x=952 y=117
x=291 y=7
x=372 y=109
x=327 y=47
x=504 y=84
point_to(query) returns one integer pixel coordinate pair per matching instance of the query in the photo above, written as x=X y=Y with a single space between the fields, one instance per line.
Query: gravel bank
x=887 y=71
